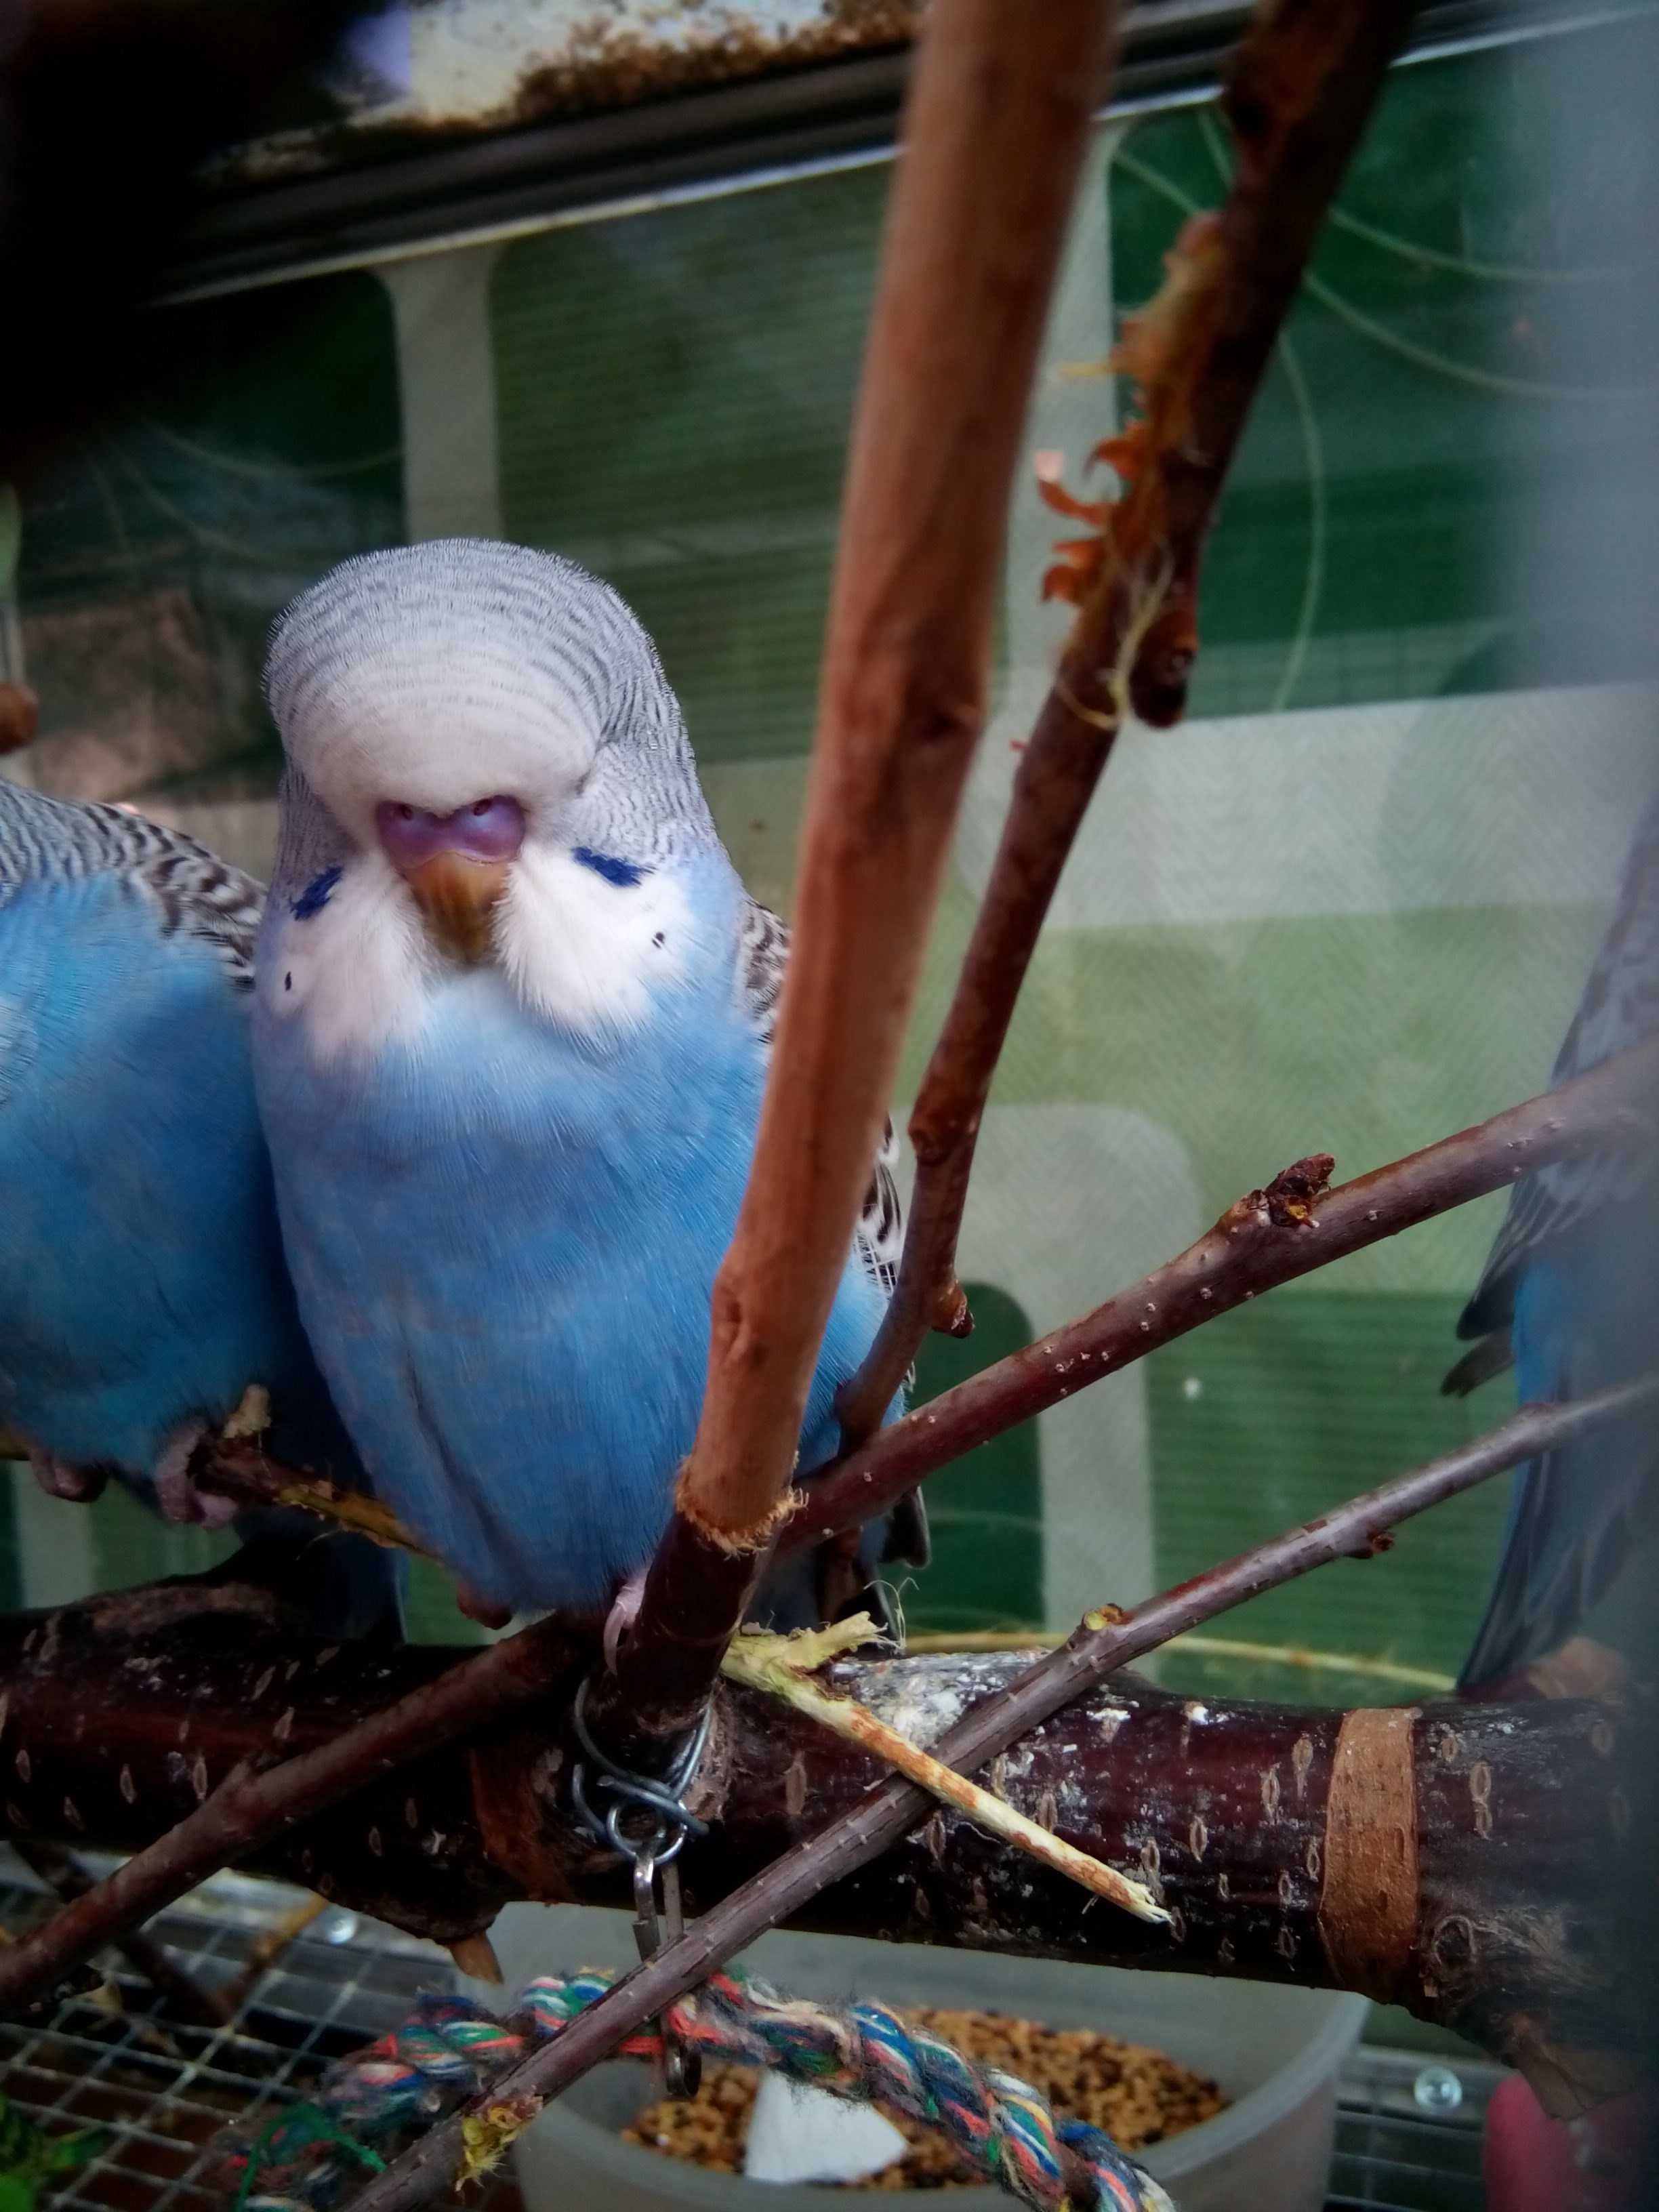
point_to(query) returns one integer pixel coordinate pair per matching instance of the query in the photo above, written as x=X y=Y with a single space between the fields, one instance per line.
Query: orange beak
x=457 y=894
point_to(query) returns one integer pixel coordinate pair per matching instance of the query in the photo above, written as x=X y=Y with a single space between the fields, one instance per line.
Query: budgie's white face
x=493 y=739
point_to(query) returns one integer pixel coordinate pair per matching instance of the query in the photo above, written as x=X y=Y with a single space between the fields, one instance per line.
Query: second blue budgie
x=142 y=1283
x=513 y=1013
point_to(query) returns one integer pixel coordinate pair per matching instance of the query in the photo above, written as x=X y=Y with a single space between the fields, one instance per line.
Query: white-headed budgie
x=513 y=1016
x=1571 y=1292
x=143 y=1288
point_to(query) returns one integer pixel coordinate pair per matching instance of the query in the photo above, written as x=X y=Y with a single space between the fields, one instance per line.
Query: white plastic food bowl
x=1276 y=2052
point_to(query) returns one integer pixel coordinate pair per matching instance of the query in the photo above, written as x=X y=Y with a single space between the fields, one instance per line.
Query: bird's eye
x=405 y=813
x=483 y=805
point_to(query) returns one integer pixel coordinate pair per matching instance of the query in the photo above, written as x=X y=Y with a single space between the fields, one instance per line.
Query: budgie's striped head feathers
x=492 y=736
x=434 y=676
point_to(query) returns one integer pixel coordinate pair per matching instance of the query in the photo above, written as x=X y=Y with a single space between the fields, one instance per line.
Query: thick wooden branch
x=1300 y=93
x=234 y=1806
x=1268 y=1238
x=1267 y=1831
x=993 y=138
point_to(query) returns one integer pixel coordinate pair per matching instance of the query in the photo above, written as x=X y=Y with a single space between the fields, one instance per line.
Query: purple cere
x=489 y=829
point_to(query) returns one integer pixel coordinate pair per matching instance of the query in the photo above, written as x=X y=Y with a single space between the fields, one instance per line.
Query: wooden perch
x=993 y=138
x=1128 y=1774
x=1553 y=1887
x=234 y=1806
x=1298 y=94
x=1268 y=1238
x=1268 y=1833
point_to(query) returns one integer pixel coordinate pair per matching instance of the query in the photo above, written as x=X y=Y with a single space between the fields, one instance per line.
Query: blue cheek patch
x=315 y=896
x=623 y=873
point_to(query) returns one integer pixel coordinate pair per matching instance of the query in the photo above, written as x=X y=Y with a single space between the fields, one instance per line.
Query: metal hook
x=655 y=1926
x=652 y=1850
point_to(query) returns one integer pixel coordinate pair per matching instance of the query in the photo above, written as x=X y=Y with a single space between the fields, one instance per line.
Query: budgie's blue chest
x=504 y=1233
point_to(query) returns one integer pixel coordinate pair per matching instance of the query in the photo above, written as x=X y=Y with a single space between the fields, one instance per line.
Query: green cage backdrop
x=1349 y=905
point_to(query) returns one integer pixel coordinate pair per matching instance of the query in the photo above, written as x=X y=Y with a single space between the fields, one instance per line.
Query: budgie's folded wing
x=763 y=958
x=1619 y=1007
x=1569 y=1286
x=1573 y=1520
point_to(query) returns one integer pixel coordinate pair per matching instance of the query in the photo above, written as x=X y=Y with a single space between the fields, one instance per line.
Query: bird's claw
x=485 y=1610
x=624 y=1611
x=80 y=1486
x=177 y=1492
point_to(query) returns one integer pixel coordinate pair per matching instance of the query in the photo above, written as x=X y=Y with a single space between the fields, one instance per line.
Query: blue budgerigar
x=142 y=1283
x=1572 y=1290
x=513 y=1013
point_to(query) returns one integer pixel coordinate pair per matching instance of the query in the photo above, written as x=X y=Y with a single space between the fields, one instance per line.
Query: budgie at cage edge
x=143 y=1288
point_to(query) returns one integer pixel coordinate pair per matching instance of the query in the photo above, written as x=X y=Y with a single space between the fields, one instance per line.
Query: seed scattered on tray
x=1136 y=2095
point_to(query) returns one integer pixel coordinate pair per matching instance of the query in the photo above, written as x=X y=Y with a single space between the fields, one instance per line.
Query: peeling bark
x=1483 y=1865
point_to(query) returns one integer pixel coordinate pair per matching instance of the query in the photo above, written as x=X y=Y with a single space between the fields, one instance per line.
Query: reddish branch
x=1268 y=1238
x=993 y=140
x=1301 y=87
x=67 y=1878
x=20 y=717
x=1229 y=1807
x=1271 y=1236
x=236 y=1810
x=883 y=1816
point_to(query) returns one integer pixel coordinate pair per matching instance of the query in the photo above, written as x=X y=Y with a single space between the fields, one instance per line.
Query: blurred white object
x=801 y=2133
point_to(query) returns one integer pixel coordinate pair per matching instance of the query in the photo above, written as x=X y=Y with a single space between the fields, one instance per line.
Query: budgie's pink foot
x=79 y=1484
x=176 y=1491
x=624 y=1611
x=484 y=1610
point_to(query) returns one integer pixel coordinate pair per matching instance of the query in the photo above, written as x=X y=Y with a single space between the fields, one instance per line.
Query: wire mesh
x=119 y=2058
x=1408 y=2133
x=1408 y=2128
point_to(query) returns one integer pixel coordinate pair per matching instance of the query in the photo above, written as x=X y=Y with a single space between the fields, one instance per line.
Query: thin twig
x=1268 y=1238
x=1393 y=1672
x=67 y=1878
x=1300 y=91
x=1427 y=1681
x=996 y=130
x=253 y=1803
x=239 y=1467
x=267 y=1949
x=782 y=1666
x=1094 y=1648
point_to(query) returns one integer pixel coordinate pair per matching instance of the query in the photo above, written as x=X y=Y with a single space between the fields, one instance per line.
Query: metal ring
x=662 y=1796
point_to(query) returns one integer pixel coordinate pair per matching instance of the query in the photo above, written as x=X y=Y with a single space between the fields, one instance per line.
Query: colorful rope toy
x=368 y=2106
